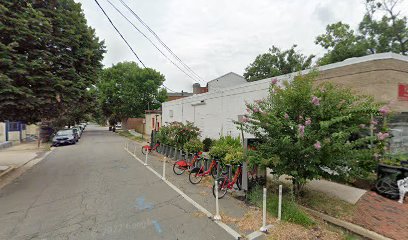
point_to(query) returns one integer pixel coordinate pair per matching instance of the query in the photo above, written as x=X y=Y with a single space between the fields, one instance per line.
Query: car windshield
x=64 y=132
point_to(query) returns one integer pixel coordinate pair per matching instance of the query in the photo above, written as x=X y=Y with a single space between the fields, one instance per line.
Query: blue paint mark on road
x=142 y=205
x=157 y=226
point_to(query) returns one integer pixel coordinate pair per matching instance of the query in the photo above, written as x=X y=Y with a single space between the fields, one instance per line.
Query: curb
x=348 y=226
x=7 y=171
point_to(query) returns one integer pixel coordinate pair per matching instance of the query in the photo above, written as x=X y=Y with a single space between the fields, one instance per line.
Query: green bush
x=177 y=134
x=228 y=149
x=207 y=144
x=193 y=146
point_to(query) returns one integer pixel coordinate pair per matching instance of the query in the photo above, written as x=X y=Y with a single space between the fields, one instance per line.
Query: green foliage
x=207 y=144
x=341 y=43
x=277 y=62
x=303 y=129
x=394 y=159
x=382 y=29
x=291 y=212
x=126 y=90
x=193 y=146
x=49 y=57
x=228 y=149
x=177 y=133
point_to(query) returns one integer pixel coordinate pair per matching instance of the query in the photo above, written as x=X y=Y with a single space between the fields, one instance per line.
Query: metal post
x=217 y=216
x=147 y=153
x=134 y=150
x=164 y=168
x=263 y=228
x=280 y=203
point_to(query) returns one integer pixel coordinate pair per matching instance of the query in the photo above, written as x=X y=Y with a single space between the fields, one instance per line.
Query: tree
x=277 y=62
x=386 y=33
x=307 y=131
x=126 y=90
x=382 y=29
x=49 y=57
x=341 y=43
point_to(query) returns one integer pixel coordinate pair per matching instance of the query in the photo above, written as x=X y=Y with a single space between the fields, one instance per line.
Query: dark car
x=65 y=136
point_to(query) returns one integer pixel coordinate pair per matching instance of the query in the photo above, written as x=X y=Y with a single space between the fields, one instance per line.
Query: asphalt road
x=96 y=190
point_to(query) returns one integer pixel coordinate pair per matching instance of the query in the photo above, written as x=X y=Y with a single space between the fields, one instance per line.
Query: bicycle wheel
x=177 y=169
x=195 y=175
x=222 y=187
x=144 y=150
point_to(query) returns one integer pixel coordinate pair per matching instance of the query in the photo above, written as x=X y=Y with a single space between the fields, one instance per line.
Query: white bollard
x=164 y=169
x=280 y=203
x=263 y=228
x=127 y=146
x=217 y=216
x=147 y=153
x=134 y=150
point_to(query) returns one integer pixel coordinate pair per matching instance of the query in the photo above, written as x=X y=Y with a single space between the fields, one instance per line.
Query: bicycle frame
x=230 y=184
x=201 y=171
x=148 y=148
x=186 y=165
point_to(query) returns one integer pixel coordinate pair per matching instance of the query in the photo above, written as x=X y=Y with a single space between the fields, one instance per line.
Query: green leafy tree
x=306 y=130
x=126 y=90
x=277 y=62
x=341 y=43
x=382 y=29
x=49 y=56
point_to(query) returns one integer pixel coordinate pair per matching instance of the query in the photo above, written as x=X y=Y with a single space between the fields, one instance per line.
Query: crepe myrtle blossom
x=308 y=121
x=384 y=110
x=317 y=145
x=382 y=136
x=255 y=109
x=286 y=116
x=245 y=119
x=301 y=129
x=258 y=101
x=315 y=101
x=374 y=122
x=274 y=81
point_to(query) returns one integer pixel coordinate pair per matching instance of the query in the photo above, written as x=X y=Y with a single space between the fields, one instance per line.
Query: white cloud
x=217 y=36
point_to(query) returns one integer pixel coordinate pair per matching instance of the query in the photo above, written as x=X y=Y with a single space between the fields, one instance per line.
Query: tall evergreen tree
x=49 y=57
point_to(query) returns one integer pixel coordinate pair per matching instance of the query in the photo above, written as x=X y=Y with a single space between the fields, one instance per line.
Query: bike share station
x=247 y=179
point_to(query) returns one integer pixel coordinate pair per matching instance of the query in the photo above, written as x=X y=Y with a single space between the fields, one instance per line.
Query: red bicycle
x=197 y=173
x=149 y=149
x=224 y=183
x=181 y=166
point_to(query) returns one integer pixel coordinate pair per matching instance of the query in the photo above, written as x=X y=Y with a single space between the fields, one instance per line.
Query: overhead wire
x=144 y=35
x=123 y=38
x=161 y=42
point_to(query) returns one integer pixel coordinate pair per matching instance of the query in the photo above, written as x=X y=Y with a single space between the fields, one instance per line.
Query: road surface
x=96 y=190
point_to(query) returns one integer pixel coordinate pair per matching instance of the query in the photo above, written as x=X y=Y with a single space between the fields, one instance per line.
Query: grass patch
x=291 y=212
x=127 y=134
x=327 y=204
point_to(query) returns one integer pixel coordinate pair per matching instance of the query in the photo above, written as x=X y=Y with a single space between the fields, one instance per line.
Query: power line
x=149 y=40
x=162 y=43
x=123 y=38
x=113 y=25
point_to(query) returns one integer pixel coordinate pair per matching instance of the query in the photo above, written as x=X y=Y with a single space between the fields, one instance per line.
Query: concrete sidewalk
x=18 y=156
x=344 y=192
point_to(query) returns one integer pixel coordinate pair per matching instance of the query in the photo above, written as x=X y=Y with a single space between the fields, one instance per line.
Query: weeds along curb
x=7 y=171
x=348 y=226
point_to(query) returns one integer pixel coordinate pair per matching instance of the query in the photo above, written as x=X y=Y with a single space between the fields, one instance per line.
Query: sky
x=215 y=37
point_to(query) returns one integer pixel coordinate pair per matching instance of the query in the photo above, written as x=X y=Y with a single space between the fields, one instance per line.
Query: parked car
x=65 y=136
x=118 y=125
x=78 y=130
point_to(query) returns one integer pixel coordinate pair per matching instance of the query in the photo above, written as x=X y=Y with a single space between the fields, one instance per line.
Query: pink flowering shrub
x=308 y=128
